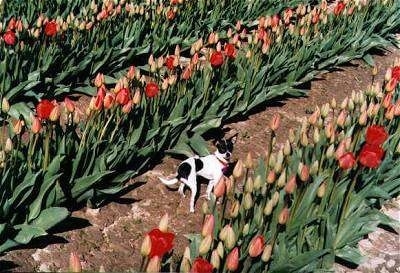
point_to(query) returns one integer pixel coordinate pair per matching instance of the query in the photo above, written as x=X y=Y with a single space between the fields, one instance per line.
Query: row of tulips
x=306 y=203
x=61 y=157
x=44 y=55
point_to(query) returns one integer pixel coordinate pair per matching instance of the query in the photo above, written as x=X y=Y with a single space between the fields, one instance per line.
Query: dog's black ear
x=233 y=138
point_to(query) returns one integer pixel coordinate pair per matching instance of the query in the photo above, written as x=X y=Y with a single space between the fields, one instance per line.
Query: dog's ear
x=233 y=138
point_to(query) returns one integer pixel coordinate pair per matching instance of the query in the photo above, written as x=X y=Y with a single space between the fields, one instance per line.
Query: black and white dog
x=211 y=167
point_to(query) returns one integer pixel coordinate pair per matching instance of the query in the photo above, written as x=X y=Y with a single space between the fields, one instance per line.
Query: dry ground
x=111 y=236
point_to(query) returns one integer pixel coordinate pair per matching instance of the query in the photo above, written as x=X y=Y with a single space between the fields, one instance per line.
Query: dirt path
x=111 y=236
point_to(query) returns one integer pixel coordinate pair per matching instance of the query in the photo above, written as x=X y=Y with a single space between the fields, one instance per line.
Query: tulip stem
x=47 y=146
x=143 y=264
x=343 y=213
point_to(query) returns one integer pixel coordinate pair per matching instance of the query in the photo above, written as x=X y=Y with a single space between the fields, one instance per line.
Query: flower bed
x=306 y=205
x=58 y=159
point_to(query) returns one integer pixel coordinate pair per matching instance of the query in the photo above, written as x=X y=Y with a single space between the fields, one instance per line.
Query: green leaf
x=350 y=254
x=50 y=217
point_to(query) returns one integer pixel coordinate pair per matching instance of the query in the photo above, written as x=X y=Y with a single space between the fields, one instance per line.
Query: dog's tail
x=169 y=182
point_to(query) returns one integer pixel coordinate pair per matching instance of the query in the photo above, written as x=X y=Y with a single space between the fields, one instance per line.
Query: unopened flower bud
x=238 y=170
x=215 y=259
x=246 y=229
x=257 y=182
x=219 y=188
x=249 y=161
x=316 y=136
x=220 y=250
x=291 y=185
x=208 y=225
x=268 y=208
x=275 y=198
x=55 y=113
x=36 y=125
x=274 y=124
x=154 y=265
x=163 y=225
x=321 y=190
x=266 y=255
x=17 y=127
x=230 y=239
x=205 y=245
x=204 y=208
x=325 y=110
x=314 y=167
x=5 y=105
x=304 y=172
x=146 y=246
x=234 y=209
x=282 y=179
x=304 y=139
x=248 y=187
x=185 y=265
x=232 y=260
x=271 y=177
x=333 y=103
x=292 y=136
x=74 y=263
x=247 y=201
x=8 y=146
x=287 y=148
x=256 y=246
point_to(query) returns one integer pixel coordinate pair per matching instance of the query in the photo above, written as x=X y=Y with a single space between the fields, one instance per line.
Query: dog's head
x=225 y=147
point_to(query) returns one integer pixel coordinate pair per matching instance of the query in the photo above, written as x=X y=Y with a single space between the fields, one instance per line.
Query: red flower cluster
x=50 y=29
x=201 y=265
x=44 y=108
x=9 y=37
x=371 y=153
x=339 y=8
x=161 y=242
x=216 y=59
x=151 y=89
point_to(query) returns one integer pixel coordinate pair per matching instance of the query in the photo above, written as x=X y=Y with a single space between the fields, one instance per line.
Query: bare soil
x=111 y=236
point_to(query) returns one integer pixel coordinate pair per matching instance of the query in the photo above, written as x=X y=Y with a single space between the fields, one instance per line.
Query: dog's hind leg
x=192 y=184
x=181 y=188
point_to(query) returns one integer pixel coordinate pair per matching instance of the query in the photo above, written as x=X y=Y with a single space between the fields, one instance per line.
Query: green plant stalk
x=49 y=132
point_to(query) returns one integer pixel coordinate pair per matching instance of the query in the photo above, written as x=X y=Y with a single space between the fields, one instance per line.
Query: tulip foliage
x=306 y=204
x=54 y=49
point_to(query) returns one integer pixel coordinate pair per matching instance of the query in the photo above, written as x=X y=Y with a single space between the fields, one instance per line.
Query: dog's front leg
x=192 y=184
x=210 y=187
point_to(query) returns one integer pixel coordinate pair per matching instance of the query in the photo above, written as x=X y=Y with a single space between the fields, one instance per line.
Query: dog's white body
x=212 y=169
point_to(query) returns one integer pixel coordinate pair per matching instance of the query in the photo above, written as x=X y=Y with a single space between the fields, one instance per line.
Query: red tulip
x=50 y=29
x=44 y=108
x=275 y=20
x=339 y=8
x=151 y=89
x=123 y=96
x=161 y=242
x=170 y=14
x=371 y=155
x=232 y=260
x=108 y=101
x=201 y=265
x=9 y=38
x=36 y=125
x=169 y=62
x=376 y=135
x=256 y=246
x=219 y=189
x=216 y=59
x=230 y=51
x=347 y=161
x=396 y=73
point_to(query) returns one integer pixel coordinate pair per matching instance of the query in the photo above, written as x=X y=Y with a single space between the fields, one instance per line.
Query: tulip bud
x=17 y=128
x=55 y=113
x=247 y=201
x=8 y=146
x=256 y=246
x=333 y=103
x=163 y=225
x=316 y=136
x=223 y=233
x=127 y=107
x=321 y=190
x=282 y=179
x=208 y=225
x=99 y=80
x=271 y=177
x=304 y=139
x=388 y=74
x=204 y=208
x=154 y=265
x=238 y=170
x=268 y=208
x=389 y=114
x=272 y=160
x=219 y=188
x=304 y=173
x=232 y=260
x=314 y=117
x=274 y=124
x=283 y=216
x=341 y=119
x=314 y=167
x=344 y=103
x=248 y=187
x=234 y=209
x=74 y=263
x=291 y=185
x=325 y=110
x=186 y=253
x=36 y=125
x=215 y=259
x=350 y=105
x=146 y=246
x=279 y=161
x=102 y=269
x=246 y=229
x=249 y=161
x=5 y=105
x=330 y=151
x=257 y=183
x=363 y=118
x=275 y=198
x=185 y=265
x=230 y=239
x=205 y=245
x=69 y=105
x=266 y=255
x=220 y=250
x=287 y=148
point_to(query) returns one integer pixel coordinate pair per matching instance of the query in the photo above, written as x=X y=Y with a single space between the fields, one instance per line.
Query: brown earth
x=111 y=236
